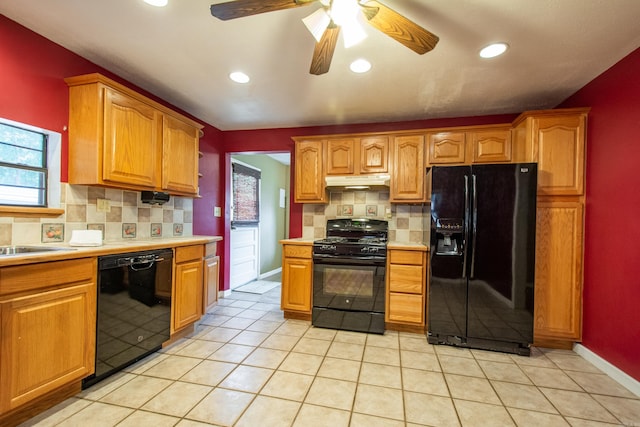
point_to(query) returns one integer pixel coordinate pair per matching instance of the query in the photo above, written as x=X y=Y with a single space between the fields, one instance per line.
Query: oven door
x=349 y=284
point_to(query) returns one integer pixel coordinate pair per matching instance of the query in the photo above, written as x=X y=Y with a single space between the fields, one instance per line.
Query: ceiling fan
x=326 y=22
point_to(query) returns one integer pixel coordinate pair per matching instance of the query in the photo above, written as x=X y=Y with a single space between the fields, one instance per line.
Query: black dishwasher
x=134 y=309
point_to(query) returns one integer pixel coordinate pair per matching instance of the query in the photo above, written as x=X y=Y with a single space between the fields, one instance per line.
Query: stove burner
x=353 y=238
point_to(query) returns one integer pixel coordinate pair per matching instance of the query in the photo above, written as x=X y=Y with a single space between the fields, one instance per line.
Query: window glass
x=246 y=195
x=23 y=166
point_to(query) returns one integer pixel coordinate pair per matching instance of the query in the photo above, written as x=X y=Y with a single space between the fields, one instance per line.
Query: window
x=29 y=166
x=246 y=196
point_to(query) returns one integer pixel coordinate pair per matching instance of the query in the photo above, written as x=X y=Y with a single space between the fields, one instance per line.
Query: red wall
x=612 y=253
x=32 y=90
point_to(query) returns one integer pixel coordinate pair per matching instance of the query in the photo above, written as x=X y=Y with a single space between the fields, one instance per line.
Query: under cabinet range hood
x=154 y=197
x=358 y=182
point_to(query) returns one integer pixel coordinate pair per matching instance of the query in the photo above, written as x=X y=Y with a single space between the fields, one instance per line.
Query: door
x=448 y=283
x=502 y=252
x=245 y=222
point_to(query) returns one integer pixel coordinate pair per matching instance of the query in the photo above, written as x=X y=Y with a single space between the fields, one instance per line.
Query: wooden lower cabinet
x=297 y=276
x=48 y=335
x=211 y=266
x=186 y=304
x=558 y=290
x=406 y=288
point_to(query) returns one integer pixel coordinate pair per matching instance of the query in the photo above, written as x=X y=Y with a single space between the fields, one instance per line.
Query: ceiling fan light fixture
x=157 y=3
x=317 y=23
x=493 y=50
x=239 y=77
x=352 y=34
x=344 y=12
x=360 y=66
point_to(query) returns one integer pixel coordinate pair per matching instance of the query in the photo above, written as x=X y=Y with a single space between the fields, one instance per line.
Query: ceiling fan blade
x=399 y=28
x=241 y=8
x=323 y=51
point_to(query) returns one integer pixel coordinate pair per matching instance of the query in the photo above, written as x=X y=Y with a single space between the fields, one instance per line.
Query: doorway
x=255 y=249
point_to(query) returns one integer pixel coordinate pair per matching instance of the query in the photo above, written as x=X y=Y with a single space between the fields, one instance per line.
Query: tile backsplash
x=407 y=223
x=128 y=218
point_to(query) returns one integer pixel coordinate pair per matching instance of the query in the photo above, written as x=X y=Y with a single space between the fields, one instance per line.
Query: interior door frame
x=257 y=227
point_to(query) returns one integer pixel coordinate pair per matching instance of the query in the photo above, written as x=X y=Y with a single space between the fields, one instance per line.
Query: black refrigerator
x=482 y=247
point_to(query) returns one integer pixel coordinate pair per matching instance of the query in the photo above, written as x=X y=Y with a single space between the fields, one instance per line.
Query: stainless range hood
x=358 y=182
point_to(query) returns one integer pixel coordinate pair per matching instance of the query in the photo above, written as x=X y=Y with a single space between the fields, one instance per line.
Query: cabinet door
x=48 y=341
x=131 y=151
x=187 y=298
x=340 y=156
x=374 y=154
x=558 y=286
x=490 y=146
x=179 y=156
x=296 y=284
x=446 y=148
x=211 y=274
x=309 y=172
x=408 y=179
x=560 y=142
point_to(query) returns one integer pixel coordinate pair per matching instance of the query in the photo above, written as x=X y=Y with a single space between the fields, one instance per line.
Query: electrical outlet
x=217 y=211
x=103 y=205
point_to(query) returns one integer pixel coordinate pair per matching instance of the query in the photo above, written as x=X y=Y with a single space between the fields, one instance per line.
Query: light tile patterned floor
x=248 y=366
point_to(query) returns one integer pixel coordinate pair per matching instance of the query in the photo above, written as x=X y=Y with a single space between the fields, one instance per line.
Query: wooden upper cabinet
x=555 y=139
x=358 y=156
x=309 y=172
x=374 y=154
x=491 y=145
x=131 y=140
x=408 y=166
x=180 y=143
x=446 y=147
x=119 y=138
x=341 y=156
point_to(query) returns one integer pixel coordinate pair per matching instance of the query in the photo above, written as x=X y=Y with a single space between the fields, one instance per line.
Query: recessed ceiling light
x=239 y=77
x=360 y=66
x=494 y=50
x=157 y=3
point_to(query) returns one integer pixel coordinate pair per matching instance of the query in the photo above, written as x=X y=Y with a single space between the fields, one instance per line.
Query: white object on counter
x=86 y=238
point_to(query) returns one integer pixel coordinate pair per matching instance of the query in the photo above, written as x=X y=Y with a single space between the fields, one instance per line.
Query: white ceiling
x=184 y=55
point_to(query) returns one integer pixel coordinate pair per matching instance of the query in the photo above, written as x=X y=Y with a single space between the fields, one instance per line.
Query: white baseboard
x=224 y=294
x=618 y=375
x=270 y=273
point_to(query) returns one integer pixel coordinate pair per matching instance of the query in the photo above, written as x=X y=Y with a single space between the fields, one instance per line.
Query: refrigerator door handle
x=475 y=225
x=465 y=237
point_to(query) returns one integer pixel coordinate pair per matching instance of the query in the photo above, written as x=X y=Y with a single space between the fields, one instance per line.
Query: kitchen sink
x=18 y=250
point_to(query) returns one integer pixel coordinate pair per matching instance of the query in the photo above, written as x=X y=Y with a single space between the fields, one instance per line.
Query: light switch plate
x=103 y=205
x=217 y=211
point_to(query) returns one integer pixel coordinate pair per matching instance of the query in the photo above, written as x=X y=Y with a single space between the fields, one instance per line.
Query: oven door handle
x=333 y=260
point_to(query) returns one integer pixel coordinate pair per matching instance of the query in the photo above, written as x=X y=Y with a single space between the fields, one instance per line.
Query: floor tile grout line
x=361 y=361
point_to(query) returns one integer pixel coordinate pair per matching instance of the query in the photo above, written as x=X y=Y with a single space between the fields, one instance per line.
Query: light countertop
x=107 y=248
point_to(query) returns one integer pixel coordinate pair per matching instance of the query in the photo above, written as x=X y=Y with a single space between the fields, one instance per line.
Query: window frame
x=53 y=151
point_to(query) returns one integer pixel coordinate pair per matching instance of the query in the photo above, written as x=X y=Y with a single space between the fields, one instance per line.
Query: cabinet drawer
x=188 y=253
x=294 y=251
x=43 y=275
x=406 y=308
x=405 y=257
x=405 y=278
